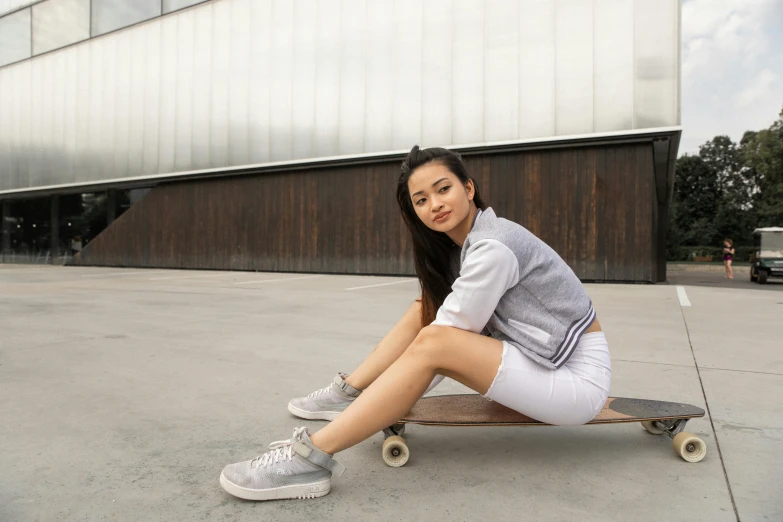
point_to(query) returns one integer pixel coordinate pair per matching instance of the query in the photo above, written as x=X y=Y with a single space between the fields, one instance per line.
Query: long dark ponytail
x=432 y=251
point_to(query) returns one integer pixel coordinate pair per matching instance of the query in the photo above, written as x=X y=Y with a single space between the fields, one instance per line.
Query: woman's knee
x=428 y=343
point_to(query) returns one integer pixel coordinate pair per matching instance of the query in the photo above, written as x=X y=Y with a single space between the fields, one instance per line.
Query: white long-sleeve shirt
x=490 y=268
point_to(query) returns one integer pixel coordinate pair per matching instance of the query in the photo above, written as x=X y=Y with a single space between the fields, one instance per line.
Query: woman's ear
x=470 y=189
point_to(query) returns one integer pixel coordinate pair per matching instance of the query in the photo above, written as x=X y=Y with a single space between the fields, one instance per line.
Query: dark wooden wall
x=593 y=204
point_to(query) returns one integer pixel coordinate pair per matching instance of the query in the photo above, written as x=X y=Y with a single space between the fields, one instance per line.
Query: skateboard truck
x=670 y=427
x=394 y=429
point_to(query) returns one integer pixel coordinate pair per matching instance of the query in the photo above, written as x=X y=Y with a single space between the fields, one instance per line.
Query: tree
x=727 y=190
x=724 y=159
x=694 y=205
x=696 y=188
x=734 y=216
x=762 y=153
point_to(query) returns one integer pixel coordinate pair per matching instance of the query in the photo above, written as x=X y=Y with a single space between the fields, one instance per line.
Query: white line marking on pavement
x=276 y=280
x=683 y=296
x=42 y=270
x=22 y=271
x=382 y=284
x=191 y=276
x=122 y=274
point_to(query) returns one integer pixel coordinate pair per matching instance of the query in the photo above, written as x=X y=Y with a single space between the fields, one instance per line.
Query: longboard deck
x=474 y=410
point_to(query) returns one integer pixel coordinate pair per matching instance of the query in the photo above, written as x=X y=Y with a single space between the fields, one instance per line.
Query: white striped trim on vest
x=566 y=348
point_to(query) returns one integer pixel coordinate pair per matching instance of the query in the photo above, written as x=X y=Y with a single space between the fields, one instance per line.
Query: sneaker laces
x=282 y=450
x=322 y=391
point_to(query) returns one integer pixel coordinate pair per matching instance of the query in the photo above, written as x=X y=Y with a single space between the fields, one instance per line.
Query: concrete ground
x=123 y=393
x=714 y=275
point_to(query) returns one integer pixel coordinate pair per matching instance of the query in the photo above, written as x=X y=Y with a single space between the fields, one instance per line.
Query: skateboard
x=656 y=417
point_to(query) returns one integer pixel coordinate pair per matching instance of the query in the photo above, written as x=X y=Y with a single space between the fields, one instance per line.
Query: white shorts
x=571 y=395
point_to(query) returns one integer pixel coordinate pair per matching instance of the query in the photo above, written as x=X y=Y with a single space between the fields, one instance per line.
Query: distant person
x=499 y=312
x=728 y=257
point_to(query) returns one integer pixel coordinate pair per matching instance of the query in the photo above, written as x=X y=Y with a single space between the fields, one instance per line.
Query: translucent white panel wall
x=15 y=39
x=11 y=5
x=57 y=23
x=249 y=82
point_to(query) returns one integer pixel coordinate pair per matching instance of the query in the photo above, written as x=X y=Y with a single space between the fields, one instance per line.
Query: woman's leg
x=729 y=269
x=466 y=357
x=726 y=267
x=330 y=402
x=389 y=349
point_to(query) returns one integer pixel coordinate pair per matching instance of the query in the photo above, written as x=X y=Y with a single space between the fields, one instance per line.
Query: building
x=267 y=134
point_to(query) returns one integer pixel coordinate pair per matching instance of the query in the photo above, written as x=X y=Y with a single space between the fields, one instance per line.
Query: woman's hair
x=432 y=251
x=729 y=241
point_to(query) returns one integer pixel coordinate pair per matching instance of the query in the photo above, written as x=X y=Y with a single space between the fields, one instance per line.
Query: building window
x=27 y=224
x=15 y=37
x=110 y=15
x=57 y=23
x=127 y=198
x=175 y=5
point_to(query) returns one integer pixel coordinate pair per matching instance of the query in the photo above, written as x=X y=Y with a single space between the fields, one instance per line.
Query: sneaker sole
x=297 y=491
x=313 y=415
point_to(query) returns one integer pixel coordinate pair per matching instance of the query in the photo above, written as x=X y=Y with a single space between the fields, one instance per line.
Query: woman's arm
x=489 y=270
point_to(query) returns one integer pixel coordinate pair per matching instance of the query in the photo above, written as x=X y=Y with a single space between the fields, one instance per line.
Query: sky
x=732 y=68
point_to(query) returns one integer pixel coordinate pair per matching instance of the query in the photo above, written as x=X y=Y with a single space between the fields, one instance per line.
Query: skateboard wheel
x=652 y=428
x=395 y=451
x=690 y=447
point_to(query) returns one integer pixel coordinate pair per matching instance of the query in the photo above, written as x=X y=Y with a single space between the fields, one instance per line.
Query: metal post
x=662 y=233
x=54 y=228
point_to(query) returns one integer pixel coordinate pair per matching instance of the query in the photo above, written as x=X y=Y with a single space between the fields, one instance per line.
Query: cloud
x=732 y=53
x=763 y=85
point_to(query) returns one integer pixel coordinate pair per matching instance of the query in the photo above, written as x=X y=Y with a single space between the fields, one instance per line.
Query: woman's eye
x=420 y=201
x=444 y=189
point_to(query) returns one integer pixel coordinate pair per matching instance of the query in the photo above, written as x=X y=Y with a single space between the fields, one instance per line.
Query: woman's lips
x=440 y=218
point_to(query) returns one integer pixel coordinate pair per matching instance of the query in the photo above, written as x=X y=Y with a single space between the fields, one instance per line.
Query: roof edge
x=497 y=147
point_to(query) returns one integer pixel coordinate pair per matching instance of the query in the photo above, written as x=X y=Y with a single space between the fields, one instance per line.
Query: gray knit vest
x=547 y=311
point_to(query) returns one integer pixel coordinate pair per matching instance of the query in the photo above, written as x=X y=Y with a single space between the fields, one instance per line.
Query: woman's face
x=440 y=199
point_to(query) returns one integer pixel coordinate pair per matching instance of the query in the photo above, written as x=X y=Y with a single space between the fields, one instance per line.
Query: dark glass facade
x=52 y=230
x=27 y=224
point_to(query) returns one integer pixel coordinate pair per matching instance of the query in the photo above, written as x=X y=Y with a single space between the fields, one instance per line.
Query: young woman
x=728 y=257
x=499 y=312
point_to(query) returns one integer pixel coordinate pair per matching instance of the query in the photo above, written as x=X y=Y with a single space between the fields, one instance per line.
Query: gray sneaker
x=326 y=403
x=293 y=469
